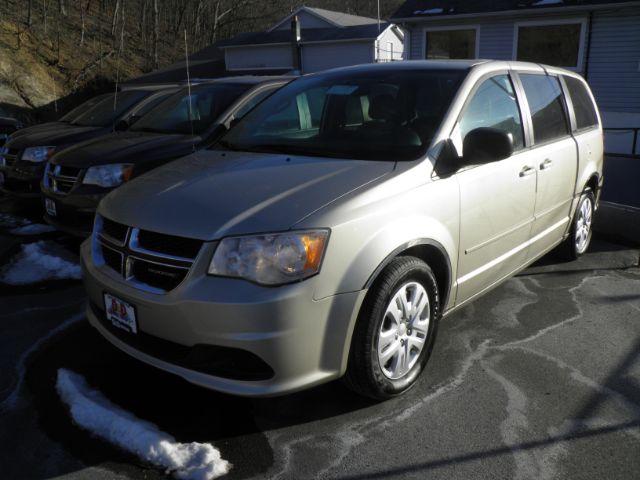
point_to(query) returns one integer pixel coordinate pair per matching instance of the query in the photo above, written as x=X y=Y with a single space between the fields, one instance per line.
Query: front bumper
x=22 y=182
x=303 y=341
x=74 y=212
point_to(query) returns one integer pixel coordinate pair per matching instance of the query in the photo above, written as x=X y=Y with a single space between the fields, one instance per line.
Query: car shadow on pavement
x=190 y=413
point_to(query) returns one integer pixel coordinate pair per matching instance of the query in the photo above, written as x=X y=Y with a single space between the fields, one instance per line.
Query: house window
x=553 y=44
x=454 y=43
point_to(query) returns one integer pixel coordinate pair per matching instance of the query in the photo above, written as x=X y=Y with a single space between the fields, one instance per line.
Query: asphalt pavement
x=539 y=379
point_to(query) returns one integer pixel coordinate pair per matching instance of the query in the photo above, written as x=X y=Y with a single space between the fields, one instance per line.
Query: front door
x=496 y=198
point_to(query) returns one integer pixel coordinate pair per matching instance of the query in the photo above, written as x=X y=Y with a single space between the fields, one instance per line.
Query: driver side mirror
x=484 y=145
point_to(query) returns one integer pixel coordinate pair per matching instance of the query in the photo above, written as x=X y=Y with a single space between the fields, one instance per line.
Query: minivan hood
x=212 y=194
x=61 y=135
x=126 y=147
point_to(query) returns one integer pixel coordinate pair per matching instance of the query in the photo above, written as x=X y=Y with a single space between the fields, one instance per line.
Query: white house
x=326 y=39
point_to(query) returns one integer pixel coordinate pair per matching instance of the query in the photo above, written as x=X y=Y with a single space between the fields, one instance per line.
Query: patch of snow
x=33 y=229
x=547 y=2
x=38 y=262
x=95 y=413
x=430 y=11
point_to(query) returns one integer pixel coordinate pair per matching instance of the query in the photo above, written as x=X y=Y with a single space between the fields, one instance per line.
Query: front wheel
x=395 y=331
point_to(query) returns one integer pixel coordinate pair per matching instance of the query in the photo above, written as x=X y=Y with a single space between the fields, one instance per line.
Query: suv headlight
x=37 y=154
x=108 y=175
x=271 y=259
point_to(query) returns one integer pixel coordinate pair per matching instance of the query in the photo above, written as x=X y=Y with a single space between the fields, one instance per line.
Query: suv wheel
x=395 y=331
x=580 y=236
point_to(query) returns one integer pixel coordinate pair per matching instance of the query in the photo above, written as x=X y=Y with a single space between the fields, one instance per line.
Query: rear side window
x=494 y=105
x=582 y=104
x=546 y=105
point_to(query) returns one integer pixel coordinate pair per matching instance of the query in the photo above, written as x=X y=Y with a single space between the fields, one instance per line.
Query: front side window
x=546 y=105
x=557 y=45
x=583 y=107
x=494 y=105
x=388 y=114
x=109 y=109
x=184 y=114
x=451 y=44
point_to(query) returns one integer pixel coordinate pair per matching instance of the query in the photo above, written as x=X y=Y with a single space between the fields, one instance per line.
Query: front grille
x=175 y=246
x=11 y=157
x=115 y=230
x=159 y=267
x=62 y=179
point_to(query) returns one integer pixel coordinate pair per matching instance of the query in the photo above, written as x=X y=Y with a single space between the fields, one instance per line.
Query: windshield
x=80 y=109
x=206 y=104
x=109 y=109
x=388 y=114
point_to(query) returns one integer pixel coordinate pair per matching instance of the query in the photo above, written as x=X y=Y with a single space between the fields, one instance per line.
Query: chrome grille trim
x=131 y=253
x=62 y=184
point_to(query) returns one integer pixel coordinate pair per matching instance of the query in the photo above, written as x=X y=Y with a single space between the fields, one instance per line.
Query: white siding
x=256 y=57
x=389 y=46
x=307 y=20
x=321 y=56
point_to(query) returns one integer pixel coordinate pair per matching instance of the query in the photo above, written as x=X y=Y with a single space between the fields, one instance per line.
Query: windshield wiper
x=227 y=145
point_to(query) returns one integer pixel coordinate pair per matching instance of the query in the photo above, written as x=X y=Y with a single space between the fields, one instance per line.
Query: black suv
x=25 y=154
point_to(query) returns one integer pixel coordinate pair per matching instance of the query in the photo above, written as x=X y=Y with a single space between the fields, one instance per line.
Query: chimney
x=296 y=48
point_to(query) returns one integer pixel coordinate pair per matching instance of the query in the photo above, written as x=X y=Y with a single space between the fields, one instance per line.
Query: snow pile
x=33 y=229
x=92 y=411
x=38 y=262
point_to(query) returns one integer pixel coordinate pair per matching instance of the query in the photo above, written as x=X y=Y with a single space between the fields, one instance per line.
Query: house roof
x=438 y=8
x=337 y=19
x=309 y=35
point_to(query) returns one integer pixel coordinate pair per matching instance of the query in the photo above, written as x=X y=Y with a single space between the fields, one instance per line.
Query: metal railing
x=634 y=143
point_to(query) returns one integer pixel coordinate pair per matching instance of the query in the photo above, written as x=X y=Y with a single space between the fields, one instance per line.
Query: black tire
x=364 y=372
x=570 y=246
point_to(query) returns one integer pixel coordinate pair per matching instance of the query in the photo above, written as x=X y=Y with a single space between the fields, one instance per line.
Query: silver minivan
x=331 y=229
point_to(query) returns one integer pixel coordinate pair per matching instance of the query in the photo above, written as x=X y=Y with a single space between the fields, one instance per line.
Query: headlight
x=108 y=175
x=37 y=154
x=271 y=259
x=3 y=152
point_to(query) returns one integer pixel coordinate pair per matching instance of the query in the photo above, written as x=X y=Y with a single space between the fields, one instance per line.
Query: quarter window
x=494 y=105
x=546 y=104
x=583 y=107
x=551 y=44
x=445 y=44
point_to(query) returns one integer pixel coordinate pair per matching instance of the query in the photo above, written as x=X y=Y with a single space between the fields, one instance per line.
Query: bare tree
x=156 y=33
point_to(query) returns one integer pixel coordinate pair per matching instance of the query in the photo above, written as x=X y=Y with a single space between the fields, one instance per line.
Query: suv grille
x=150 y=260
x=11 y=157
x=62 y=179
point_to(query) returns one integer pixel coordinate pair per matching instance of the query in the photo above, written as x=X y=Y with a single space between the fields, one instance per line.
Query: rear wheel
x=580 y=237
x=395 y=331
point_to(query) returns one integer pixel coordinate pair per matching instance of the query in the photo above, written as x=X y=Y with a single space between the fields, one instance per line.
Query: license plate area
x=50 y=207
x=121 y=314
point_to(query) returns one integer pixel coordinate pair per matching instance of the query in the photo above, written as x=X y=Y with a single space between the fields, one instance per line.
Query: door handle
x=527 y=170
x=546 y=164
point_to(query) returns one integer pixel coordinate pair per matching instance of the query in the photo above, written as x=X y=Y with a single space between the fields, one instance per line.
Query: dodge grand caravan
x=329 y=231
x=77 y=178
